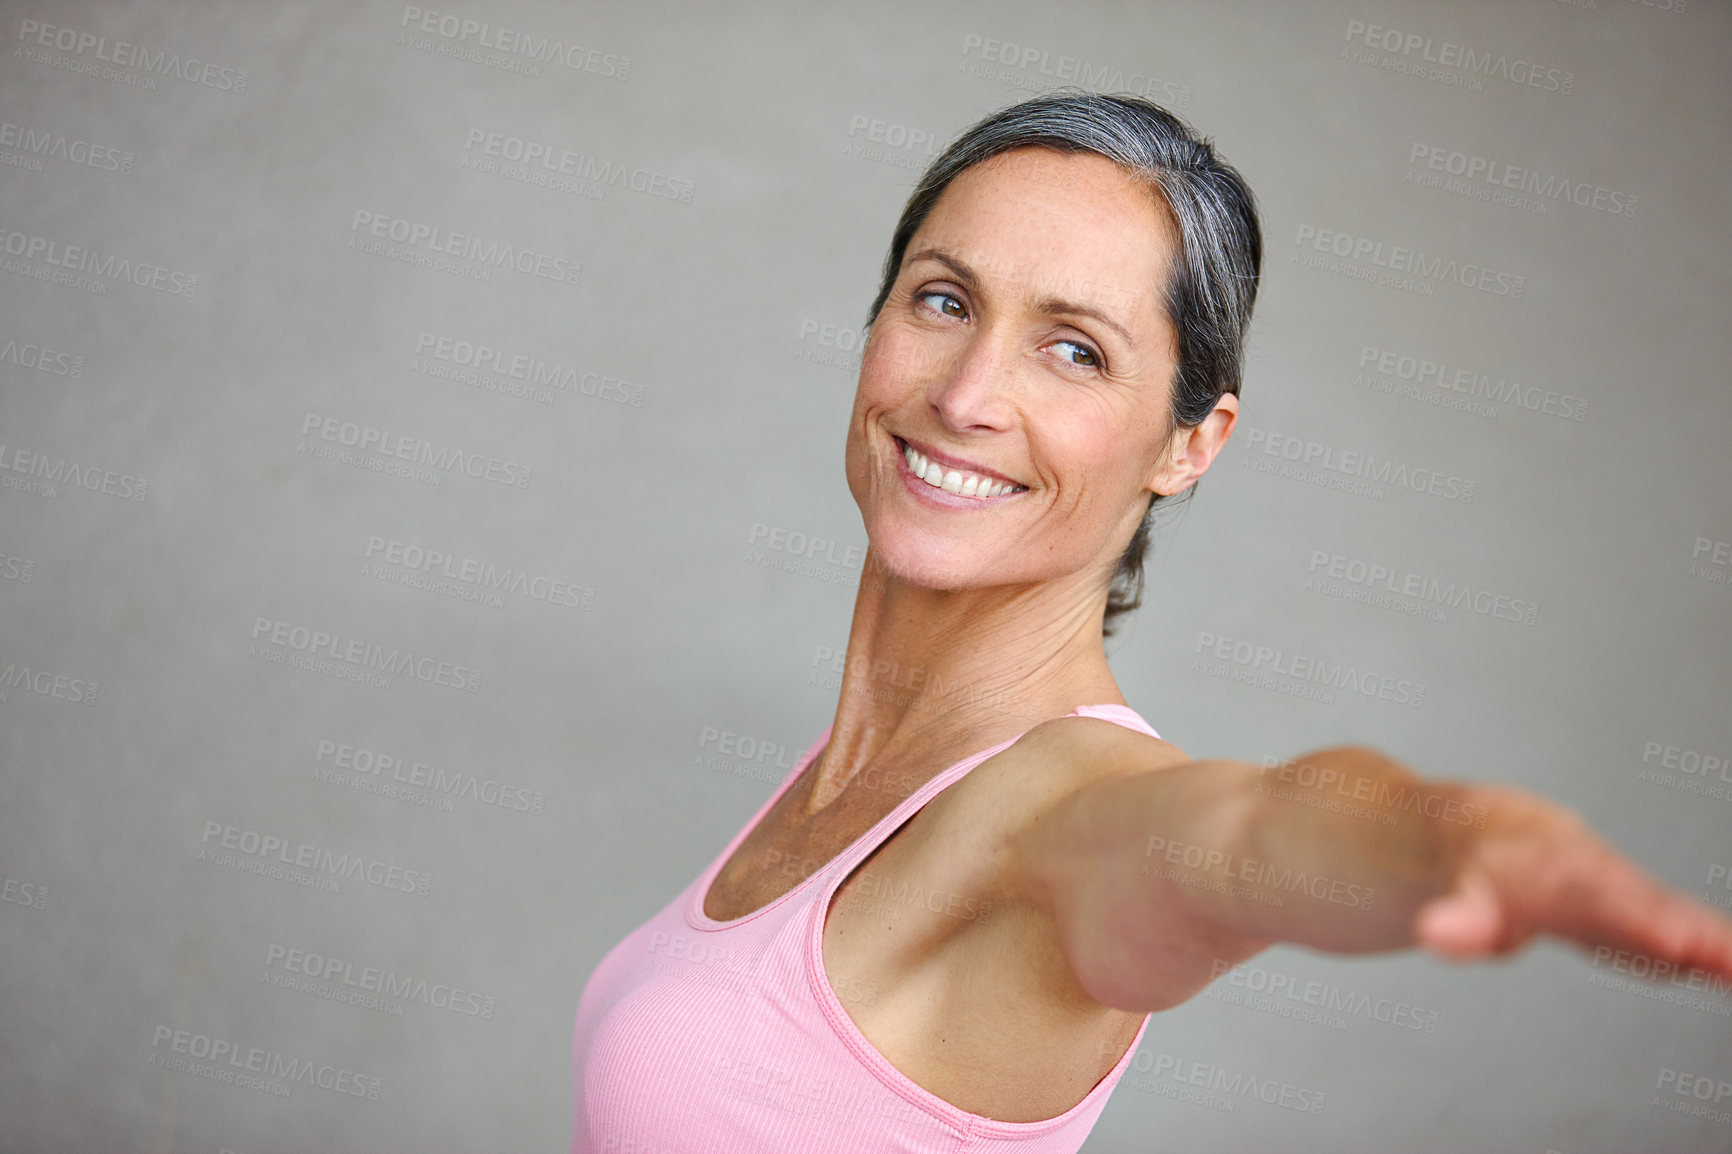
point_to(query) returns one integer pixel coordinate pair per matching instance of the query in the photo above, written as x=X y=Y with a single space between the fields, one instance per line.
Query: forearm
x=1337 y=850
x=1157 y=877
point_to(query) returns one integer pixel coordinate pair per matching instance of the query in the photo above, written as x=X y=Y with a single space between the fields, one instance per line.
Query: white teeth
x=952 y=480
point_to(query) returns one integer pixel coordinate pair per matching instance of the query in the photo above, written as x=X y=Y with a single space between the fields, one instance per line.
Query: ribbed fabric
x=696 y=1036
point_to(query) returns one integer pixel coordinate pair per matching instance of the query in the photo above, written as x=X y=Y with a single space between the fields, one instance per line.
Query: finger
x=1610 y=901
x=1464 y=924
x=1677 y=929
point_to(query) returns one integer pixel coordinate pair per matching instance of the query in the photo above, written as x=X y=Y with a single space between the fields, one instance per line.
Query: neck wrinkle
x=931 y=677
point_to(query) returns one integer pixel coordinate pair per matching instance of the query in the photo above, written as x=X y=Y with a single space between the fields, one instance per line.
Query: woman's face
x=1023 y=353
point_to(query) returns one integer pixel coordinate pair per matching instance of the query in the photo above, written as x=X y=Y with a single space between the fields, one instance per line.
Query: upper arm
x=1078 y=856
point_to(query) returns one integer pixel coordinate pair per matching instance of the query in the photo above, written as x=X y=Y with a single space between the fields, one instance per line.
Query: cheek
x=879 y=365
x=897 y=360
x=1099 y=461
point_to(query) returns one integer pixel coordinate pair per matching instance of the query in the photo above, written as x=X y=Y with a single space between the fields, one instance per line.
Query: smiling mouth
x=958 y=482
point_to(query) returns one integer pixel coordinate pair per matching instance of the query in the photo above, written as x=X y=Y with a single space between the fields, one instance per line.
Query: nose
x=971 y=391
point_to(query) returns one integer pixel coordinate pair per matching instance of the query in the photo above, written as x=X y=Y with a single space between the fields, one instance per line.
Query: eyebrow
x=1047 y=304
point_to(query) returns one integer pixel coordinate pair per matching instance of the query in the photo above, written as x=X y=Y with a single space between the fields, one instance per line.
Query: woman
x=946 y=930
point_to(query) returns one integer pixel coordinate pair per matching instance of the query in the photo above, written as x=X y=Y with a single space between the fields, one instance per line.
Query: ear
x=1191 y=451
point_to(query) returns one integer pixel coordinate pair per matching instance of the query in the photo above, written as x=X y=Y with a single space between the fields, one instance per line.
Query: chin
x=915 y=557
x=924 y=563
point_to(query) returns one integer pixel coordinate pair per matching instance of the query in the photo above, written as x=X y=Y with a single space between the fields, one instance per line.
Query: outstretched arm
x=1155 y=878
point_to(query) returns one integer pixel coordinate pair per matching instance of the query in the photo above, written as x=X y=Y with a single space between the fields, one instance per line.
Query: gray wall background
x=202 y=302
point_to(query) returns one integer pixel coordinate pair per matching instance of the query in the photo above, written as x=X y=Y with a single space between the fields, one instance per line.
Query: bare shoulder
x=981 y=823
x=1051 y=762
x=1090 y=747
x=1058 y=757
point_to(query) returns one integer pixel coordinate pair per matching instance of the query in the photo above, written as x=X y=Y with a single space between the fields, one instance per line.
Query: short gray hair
x=1213 y=285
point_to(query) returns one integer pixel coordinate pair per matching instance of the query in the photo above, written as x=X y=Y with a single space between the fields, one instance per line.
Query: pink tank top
x=702 y=1037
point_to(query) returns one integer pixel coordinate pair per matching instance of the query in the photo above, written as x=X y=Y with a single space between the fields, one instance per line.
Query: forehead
x=1046 y=223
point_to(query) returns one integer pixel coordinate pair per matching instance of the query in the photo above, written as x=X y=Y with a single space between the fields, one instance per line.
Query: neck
x=929 y=673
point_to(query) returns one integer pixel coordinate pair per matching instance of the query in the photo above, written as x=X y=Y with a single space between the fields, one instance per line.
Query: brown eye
x=1085 y=357
x=949 y=305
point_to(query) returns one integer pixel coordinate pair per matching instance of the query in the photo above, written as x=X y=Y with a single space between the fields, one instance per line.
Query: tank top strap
x=868 y=842
x=974 y=1127
x=843 y=864
x=1117 y=714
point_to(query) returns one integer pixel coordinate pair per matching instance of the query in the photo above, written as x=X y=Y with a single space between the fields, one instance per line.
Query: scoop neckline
x=698 y=919
x=879 y=1066
x=695 y=914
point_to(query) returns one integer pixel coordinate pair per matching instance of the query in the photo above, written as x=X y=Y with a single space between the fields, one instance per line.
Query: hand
x=1536 y=868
